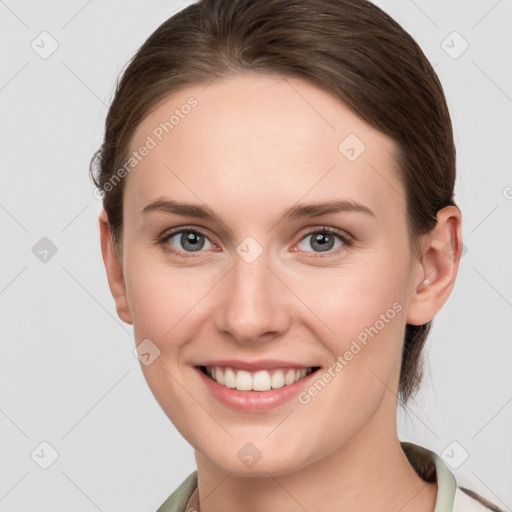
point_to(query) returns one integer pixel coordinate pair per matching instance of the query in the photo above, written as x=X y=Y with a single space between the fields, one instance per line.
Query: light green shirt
x=450 y=498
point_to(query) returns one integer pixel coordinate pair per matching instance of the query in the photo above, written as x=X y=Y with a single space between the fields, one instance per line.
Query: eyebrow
x=295 y=212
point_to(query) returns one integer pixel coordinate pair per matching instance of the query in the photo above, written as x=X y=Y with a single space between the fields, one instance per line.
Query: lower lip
x=255 y=400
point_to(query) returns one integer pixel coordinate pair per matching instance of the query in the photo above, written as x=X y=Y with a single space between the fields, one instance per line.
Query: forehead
x=254 y=139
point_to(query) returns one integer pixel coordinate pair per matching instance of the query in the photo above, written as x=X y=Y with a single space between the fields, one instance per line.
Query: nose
x=255 y=304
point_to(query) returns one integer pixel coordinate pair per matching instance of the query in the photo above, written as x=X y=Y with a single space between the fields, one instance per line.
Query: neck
x=368 y=472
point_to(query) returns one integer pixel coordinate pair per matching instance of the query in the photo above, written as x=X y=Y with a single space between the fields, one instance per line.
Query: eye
x=324 y=240
x=189 y=239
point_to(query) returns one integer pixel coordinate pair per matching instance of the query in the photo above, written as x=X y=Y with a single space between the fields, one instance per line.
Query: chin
x=250 y=461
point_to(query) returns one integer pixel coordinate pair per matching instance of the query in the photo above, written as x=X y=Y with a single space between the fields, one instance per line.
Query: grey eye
x=190 y=240
x=321 y=241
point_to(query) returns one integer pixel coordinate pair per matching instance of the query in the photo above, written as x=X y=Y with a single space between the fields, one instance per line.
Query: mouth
x=260 y=380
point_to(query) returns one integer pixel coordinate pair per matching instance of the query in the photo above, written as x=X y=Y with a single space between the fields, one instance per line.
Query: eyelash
x=347 y=241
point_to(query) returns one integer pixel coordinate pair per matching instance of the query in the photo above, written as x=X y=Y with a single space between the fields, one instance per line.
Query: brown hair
x=347 y=47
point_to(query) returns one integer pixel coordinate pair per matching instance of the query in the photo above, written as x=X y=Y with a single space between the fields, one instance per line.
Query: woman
x=279 y=227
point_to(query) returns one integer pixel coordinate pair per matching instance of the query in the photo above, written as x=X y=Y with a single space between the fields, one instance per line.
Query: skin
x=254 y=146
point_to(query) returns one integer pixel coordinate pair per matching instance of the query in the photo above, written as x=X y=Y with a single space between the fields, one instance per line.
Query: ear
x=438 y=267
x=114 y=269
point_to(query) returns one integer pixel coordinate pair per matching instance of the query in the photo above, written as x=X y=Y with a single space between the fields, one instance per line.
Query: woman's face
x=259 y=287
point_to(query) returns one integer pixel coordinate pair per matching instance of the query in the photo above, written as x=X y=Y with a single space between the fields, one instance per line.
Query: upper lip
x=262 y=364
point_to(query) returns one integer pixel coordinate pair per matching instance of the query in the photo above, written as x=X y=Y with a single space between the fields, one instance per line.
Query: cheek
x=365 y=312
x=355 y=295
x=162 y=299
x=362 y=307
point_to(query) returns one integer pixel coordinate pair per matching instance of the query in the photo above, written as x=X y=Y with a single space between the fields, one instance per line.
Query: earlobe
x=114 y=269
x=439 y=266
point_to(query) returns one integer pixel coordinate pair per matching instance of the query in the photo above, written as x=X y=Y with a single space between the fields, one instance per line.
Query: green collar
x=419 y=457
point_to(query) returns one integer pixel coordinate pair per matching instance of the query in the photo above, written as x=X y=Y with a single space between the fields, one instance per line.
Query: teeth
x=261 y=380
x=229 y=378
x=290 y=377
x=277 y=380
x=243 y=380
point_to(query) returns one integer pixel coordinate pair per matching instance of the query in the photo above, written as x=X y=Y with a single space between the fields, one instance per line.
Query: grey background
x=68 y=374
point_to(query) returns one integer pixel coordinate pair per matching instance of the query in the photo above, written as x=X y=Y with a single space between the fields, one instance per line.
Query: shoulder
x=469 y=501
x=177 y=501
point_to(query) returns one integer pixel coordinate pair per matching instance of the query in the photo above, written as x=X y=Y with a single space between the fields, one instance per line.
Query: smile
x=261 y=380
